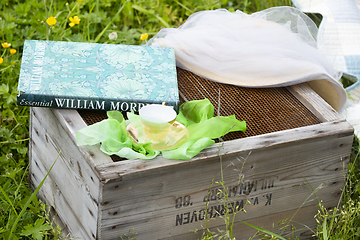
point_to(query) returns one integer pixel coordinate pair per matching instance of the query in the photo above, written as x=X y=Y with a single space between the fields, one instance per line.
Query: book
x=96 y=76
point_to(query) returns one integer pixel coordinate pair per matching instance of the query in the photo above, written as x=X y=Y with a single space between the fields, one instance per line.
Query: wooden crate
x=99 y=197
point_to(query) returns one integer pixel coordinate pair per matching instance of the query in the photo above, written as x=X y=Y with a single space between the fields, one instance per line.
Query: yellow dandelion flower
x=12 y=51
x=144 y=37
x=79 y=0
x=51 y=21
x=6 y=45
x=74 y=20
x=1 y=60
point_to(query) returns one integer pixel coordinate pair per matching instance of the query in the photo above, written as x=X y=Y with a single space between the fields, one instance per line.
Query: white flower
x=113 y=36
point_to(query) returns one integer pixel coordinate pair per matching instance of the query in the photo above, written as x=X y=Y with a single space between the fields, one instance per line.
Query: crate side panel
x=273 y=179
x=177 y=214
x=273 y=223
x=75 y=179
x=50 y=194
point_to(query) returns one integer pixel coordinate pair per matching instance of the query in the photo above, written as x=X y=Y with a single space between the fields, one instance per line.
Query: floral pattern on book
x=102 y=70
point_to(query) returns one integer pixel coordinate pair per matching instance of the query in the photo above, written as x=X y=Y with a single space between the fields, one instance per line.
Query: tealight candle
x=157 y=121
x=158 y=113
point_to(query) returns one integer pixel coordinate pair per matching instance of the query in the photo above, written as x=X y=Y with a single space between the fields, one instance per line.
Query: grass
x=107 y=21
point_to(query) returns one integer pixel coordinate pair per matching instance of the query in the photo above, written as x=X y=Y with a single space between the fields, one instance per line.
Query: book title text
x=35 y=82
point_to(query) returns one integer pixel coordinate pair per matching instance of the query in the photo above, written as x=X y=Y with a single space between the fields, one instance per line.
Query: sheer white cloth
x=271 y=48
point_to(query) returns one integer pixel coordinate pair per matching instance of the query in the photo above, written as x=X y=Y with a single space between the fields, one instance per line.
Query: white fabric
x=339 y=40
x=271 y=48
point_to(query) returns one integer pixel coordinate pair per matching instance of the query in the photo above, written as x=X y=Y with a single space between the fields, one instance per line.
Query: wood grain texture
x=53 y=197
x=301 y=220
x=76 y=184
x=276 y=179
x=130 y=169
x=314 y=102
x=71 y=122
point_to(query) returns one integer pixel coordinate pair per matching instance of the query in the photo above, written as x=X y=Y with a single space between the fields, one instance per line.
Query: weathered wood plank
x=155 y=219
x=53 y=197
x=130 y=169
x=72 y=122
x=78 y=183
x=302 y=220
x=317 y=105
x=49 y=137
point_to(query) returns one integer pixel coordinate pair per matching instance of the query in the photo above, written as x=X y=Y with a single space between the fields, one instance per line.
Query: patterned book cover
x=96 y=76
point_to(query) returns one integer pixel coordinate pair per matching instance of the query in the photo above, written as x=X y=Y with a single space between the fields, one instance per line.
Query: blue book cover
x=96 y=76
